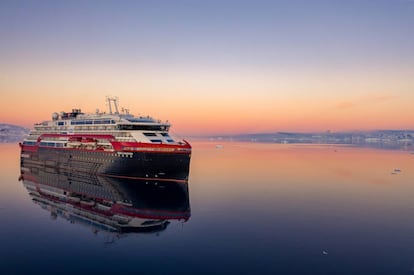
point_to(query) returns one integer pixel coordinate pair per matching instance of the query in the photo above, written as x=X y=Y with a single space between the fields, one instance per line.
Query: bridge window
x=142 y=127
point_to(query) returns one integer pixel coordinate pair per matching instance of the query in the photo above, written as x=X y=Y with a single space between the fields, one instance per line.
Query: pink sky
x=254 y=68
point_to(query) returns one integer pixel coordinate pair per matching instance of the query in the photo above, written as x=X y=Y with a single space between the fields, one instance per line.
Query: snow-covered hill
x=12 y=133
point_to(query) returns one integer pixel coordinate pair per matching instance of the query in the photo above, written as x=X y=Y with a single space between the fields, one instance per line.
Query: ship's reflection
x=107 y=204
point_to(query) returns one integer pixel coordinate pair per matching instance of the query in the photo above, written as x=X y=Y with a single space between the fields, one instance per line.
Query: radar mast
x=115 y=102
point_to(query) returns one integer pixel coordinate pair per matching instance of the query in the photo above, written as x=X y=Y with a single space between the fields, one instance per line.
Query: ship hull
x=138 y=165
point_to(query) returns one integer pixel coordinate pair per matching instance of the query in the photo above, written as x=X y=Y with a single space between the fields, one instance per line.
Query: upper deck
x=123 y=126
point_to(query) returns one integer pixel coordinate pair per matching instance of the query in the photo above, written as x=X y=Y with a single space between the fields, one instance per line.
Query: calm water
x=250 y=209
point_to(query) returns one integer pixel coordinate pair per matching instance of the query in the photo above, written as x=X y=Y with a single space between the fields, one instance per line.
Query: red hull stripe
x=184 y=147
x=34 y=148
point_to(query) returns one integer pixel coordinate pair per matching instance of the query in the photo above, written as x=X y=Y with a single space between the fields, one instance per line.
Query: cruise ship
x=114 y=143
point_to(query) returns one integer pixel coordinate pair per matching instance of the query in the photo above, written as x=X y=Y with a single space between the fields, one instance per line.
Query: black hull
x=139 y=165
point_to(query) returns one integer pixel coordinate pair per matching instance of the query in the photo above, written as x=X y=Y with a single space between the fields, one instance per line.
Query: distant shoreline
x=10 y=133
x=386 y=139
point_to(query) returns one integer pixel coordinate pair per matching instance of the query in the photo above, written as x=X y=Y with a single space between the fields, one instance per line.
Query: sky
x=213 y=67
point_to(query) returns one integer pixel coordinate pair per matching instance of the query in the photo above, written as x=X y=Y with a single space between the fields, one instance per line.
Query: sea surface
x=249 y=208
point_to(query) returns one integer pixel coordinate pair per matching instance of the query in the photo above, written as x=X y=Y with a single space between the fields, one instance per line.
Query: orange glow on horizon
x=205 y=103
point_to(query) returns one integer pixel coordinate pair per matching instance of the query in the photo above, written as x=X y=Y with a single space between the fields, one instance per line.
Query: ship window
x=29 y=142
x=164 y=134
x=101 y=121
x=142 y=127
x=77 y=122
x=51 y=144
x=140 y=119
x=170 y=140
x=156 y=140
x=60 y=123
x=150 y=134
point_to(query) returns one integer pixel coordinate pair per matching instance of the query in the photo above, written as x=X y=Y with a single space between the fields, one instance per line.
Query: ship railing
x=104 y=137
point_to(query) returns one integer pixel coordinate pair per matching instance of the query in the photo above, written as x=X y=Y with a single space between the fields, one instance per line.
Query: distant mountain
x=12 y=133
x=379 y=138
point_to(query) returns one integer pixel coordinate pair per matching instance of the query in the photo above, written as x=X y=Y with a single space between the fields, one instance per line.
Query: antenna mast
x=115 y=101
